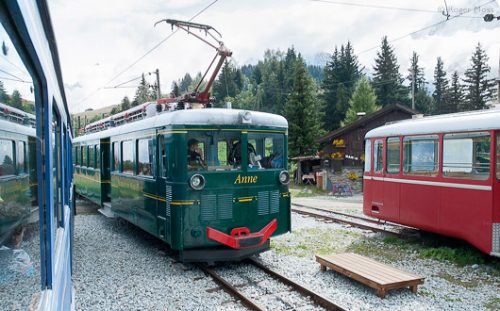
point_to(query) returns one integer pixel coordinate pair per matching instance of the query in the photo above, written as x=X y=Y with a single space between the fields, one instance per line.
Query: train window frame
x=130 y=145
x=378 y=167
x=97 y=150
x=142 y=167
x=368 y=155
x=116 y=167
x=388 y=158
x=85 y=154
x=269 y=148
x=475 y=171
x=91 y=156
x=408 y=146
x=11 y=143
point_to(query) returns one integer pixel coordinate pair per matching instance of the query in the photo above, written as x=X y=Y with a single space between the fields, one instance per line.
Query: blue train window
x=116 y=156
x=91 y=156
x=145 y=157
x=127 y=157
x=7 y=157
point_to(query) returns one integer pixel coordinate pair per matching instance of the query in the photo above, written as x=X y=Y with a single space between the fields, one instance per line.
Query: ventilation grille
x=168 y=192
x=274 y=202
x=225 y=206
x=208 y=207
x=268 y=202
x=495 y=241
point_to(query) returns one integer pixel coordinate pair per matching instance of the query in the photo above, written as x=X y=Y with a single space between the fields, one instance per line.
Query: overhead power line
x=143 y=56
x=375 y=6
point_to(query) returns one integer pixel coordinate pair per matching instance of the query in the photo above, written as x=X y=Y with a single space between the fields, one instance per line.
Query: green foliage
x=125 y=104
x=459 y=256
x=143 y=93
x=339 y=79
x=229 y=82
x=441 y=102
x=304 y=111
x=424 y=102
x=478 y=88
x=16 y=100
x=493 y=304
x=455 y=94
x=363 y=100
x=4 y=97
x=387 y=81
x=415 y=72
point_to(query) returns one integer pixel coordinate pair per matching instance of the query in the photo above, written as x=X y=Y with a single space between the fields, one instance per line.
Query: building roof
x=454 y=122
x=364 y=120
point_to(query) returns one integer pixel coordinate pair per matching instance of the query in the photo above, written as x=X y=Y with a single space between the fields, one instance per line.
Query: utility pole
x=158 y=91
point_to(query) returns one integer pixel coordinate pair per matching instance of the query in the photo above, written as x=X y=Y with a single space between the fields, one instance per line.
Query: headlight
x=197 y=182
x=284 y=177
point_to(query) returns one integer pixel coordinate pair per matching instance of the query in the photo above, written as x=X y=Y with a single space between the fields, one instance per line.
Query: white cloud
x=97 y=39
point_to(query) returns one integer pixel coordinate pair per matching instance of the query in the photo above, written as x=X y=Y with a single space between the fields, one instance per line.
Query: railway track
x=352 y=220
x=255 y=304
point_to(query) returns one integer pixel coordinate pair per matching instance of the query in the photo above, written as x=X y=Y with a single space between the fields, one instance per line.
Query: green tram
x=18 y=187
x=221 y=204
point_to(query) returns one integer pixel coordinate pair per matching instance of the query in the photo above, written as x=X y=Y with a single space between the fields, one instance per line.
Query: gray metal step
x=106 y=210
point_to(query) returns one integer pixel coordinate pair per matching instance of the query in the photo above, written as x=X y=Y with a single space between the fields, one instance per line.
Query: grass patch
x=459 y=256
x=453 y=280
x=298 y=191
x=492 y=304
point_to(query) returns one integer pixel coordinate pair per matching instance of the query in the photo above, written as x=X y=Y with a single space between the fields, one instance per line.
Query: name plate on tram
x=245 y=179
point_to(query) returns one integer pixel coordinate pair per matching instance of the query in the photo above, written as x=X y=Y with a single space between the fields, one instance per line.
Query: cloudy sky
x=98 y=40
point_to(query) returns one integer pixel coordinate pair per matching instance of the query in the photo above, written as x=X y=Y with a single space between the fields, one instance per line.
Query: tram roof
x=209 y=116
x=453 y=122
x=16 y=128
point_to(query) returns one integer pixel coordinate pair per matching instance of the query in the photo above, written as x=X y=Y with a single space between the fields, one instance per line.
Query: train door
x=392 y=171
x=377 y=204
x=163 y=191
x=104 y=156
x=496 y=200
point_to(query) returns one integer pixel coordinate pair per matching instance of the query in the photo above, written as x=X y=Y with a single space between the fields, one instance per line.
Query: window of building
x=378 y=156
x=392 y=156
x=368 y=155
x=467 y=155
x=421 y=155
x=145 y=157
x=7 y=157
x=127 y=157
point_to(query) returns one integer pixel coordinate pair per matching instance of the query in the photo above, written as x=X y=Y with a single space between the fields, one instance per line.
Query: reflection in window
x=85 y=150
x=127 y=157
x=378 y=156
x=97 y=157
x=420 y=155
x=214 y=151
x=266 y=150
x=21 y=156
x=467 y=155
x=91 y=157
x=392 y=158
x=145 y=157
x=6 y=158
x=368 y=155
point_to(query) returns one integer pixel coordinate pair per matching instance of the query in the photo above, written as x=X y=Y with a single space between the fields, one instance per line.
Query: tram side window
x=222 y=152
x=21 y=157
x=97 y=157
x=91 y=156
x=420 y=155
x=85 y=151
x=213 y=150
x=467 y=155
x=368 y=155
x=392 y=156
x=378 y=156
x=6 y=157
x=145 y=157
x=116 y=156
x=127 y=157
x=75 y=155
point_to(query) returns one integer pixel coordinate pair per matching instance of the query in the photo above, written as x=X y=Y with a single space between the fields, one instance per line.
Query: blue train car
x=36 y=219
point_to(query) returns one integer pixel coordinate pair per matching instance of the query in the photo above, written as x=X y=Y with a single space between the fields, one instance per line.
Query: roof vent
x=229 y=105
x=246 y=117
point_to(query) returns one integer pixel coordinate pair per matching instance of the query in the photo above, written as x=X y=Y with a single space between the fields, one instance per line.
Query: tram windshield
x=221 y=151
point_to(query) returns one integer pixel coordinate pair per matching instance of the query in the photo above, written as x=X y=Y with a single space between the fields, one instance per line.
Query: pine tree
x=4 y=97
x=424 y=102
x=363 y=100
x=15 y=100
x=340 y=75
x=185 y=83
x=416 y=72
x=455 y=94
x=441 y=105
x=125 y=104
x=143 y=93
x=303 y=111
x=175 y=90
x=387 y=81
x=478 y=88
x=229 y=82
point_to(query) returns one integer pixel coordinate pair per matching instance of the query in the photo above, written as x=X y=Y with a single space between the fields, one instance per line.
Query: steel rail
x=341 y=214
x=230 y=288
x=345 y=221
x=317 y=298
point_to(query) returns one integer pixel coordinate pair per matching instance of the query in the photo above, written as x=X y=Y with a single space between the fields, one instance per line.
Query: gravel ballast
x=120 y=267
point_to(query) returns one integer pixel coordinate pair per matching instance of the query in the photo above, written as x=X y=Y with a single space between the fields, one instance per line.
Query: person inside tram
x=195 y=160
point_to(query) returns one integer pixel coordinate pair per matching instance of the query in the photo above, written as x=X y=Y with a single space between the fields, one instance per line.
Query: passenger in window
x=253 y=158
x=195 y=160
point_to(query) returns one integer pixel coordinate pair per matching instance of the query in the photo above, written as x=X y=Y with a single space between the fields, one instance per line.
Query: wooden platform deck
x=370 y=272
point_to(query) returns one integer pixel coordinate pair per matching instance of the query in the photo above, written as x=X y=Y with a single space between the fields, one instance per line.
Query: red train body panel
x=440 y=174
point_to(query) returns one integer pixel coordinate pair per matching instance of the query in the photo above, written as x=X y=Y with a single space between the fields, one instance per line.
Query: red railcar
x=440 y=174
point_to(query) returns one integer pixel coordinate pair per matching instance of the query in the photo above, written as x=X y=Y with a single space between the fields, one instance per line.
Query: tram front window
x=266 y=150
x=213 y=151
